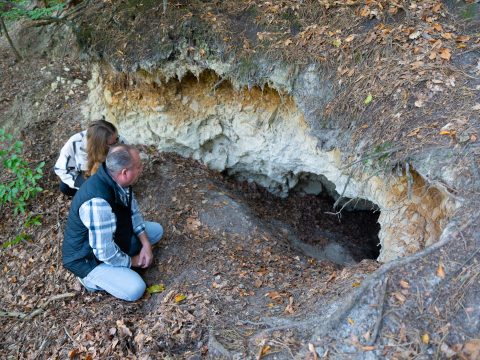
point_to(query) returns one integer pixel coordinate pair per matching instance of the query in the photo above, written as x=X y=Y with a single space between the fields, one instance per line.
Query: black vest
x=77 y=255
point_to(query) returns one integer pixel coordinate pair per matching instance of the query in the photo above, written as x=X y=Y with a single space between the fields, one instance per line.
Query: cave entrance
x=316 y=221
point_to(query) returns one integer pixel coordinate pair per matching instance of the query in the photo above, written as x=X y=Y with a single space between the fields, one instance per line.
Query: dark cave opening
x=344 y=235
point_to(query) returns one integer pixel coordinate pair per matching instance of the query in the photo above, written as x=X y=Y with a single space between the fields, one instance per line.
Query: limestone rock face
x=274 y=135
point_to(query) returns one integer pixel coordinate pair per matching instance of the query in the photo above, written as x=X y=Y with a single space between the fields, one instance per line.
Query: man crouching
x=105 y=233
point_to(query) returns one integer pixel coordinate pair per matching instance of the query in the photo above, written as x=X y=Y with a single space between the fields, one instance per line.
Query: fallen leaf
x=462 y=38
x=448 y=129
x=437 y=27
x=337 y=42
x=441 y=271
x=157 y=288
x=419 y=103
x=193 y=224
x=473 y=137
x=356 y=283
x=73 y=353
x=365 y=11
x=437 y=7
x=274 y=295
x=404 y=284
x=350 y=38
x=417 y=64
x=400 y=297
x=432 y=55
x=425 y=338
x=414 y=35
x=287 y=42
x=312 y=349
x=447 y=35
x=351 y=321
x=123 y=330
x=368 y=348
x=180 y=298
x=368 y=99
x=289 y=309
x=263 y=351
x=445 y=53
x=472 y=349
x=410 y=134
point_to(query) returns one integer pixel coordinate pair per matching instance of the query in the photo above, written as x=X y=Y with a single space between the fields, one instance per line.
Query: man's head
x=124 y=164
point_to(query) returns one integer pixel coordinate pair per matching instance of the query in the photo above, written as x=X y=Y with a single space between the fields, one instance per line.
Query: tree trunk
x=4 y=29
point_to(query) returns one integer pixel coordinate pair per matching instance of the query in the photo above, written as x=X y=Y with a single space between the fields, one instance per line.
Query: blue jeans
x=122 y=282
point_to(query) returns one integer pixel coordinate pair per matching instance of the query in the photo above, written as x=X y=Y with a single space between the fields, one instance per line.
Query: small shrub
x=23 y=10
x=18 y=181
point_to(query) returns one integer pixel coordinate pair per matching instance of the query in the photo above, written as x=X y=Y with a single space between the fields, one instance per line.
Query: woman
x=83 y=153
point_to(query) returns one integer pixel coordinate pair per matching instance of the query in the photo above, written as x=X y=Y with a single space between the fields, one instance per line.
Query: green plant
x=13 y=10
x=19 y=9
x=18 y=182
x=20 y=237
x=380 y=155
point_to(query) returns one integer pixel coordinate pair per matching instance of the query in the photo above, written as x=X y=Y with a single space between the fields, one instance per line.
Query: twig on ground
x=44 y=342
x=69 y=336
x=39 y=310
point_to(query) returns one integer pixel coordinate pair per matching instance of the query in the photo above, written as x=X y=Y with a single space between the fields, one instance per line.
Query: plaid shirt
x=97 y=215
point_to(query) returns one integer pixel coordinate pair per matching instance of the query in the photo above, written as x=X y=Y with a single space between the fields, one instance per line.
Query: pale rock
x=108 y=96
x=270 y=144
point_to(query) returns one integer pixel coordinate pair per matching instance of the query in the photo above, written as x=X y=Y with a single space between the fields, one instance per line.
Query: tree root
x=378 y=323
x=333 y=321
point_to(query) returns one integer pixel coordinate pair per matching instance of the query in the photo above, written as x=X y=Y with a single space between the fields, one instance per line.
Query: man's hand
x=144 y=258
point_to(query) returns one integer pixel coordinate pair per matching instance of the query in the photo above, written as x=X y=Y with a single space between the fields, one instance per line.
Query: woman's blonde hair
x=98 y=134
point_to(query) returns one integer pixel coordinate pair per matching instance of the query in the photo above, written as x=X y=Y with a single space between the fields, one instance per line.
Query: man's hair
x=119 y=157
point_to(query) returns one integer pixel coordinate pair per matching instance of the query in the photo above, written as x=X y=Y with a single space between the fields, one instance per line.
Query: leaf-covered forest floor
x=248 y=292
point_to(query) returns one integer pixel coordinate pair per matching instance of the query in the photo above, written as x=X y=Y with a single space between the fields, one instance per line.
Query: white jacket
x=73 y=159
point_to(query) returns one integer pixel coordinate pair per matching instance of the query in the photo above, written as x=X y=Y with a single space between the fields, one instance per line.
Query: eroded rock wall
x=264 y=135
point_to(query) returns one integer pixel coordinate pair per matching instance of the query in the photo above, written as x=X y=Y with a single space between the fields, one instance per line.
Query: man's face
x=130 y=176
